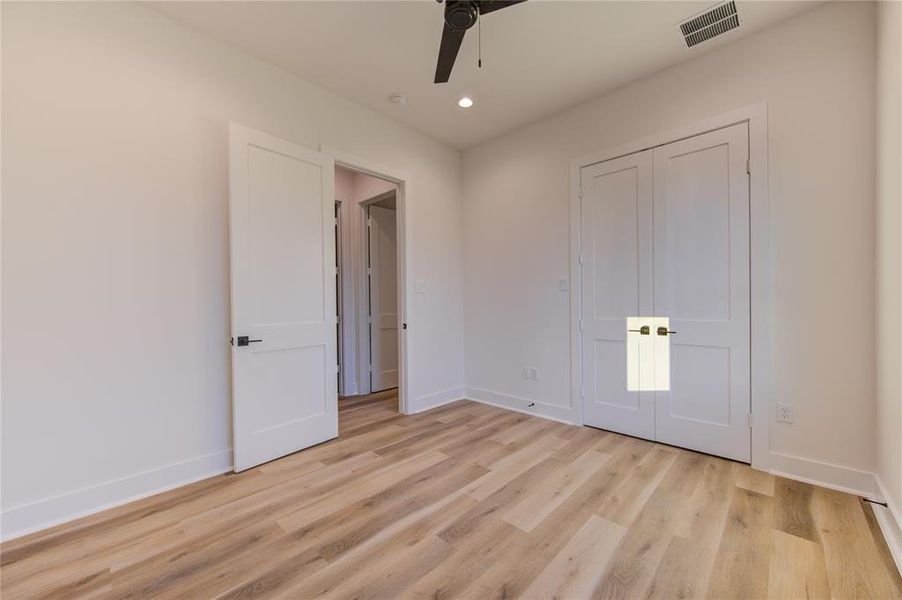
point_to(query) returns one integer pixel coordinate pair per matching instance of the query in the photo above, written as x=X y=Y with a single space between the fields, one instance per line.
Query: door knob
x=664 y=331
x=244 y=340
x=644 y=330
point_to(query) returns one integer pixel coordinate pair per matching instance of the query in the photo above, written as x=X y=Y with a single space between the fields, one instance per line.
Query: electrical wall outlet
x=534 y=374
x=784 y=413
x=525 y=372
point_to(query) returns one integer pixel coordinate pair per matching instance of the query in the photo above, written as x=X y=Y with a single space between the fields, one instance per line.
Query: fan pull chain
x=479 y=35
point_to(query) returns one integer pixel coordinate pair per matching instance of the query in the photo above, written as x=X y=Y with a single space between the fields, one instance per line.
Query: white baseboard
x=890 y=523
x=41 y=514
x=436 y=399
x=834 y=477
x=523 y=405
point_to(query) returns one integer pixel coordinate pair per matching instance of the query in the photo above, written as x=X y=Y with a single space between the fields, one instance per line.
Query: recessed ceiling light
x=465 y=102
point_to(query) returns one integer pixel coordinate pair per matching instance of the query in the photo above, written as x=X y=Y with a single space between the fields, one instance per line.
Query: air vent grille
x=713 y=22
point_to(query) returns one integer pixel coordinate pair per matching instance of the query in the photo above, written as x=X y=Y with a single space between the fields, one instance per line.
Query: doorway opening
x=368 y=290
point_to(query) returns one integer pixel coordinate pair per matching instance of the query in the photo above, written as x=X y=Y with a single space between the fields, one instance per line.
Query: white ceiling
x=538 y=57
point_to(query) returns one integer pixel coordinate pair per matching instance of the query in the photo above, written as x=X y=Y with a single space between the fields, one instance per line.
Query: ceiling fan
x=460 y=15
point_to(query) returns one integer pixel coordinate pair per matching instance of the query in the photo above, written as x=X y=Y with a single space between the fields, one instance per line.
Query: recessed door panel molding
x=692 y=231
x=616 y=257
x=614 y=214
x=285 y=238
x=284 y=386
x=611 y=371
x=688 y=398
x=665 y=234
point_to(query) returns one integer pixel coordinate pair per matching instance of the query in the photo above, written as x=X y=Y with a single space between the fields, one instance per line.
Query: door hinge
x=581 y=325
x=580 y=258
x=581 y=192
x=750 y=421
x=748 y=166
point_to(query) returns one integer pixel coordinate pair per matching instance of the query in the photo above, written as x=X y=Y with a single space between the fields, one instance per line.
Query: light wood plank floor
x=468 y=501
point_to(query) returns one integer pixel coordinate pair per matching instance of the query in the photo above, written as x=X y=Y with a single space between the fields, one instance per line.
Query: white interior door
x=383 y=298
x=701 y=267
x=284 y=395
x=616 y=268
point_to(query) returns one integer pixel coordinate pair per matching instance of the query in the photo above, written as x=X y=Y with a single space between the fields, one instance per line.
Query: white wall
x=344 y=184
x=816 y=73
x=367 y=187
x=354 y=188
x=115 y=247
x=889 y=251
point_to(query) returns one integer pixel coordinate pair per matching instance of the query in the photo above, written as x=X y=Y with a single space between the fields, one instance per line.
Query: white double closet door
x=665 y=233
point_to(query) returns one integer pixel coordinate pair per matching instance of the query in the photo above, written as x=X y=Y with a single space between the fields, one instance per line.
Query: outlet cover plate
x=784 y=413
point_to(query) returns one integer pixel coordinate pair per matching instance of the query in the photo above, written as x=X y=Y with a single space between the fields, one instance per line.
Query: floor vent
x=711 y=23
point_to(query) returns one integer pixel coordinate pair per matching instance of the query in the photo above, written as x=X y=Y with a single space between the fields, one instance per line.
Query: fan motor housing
x=460 y=15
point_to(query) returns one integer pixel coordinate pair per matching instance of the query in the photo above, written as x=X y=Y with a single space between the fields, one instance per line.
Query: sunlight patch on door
x=648 y=354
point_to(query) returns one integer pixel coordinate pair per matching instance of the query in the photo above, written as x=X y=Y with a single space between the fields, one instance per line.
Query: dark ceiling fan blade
x=487 y=6
x=447 y=53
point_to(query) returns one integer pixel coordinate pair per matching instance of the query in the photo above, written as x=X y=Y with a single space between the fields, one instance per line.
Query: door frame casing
x=402 y=181
x=339 y=297
x=760 y=272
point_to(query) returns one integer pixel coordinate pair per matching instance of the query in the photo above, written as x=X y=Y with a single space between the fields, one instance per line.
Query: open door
x=383 y=298
x=284 y=389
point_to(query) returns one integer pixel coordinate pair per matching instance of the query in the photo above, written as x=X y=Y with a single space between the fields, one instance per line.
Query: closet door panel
x=616 y=282
x=701 y=282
